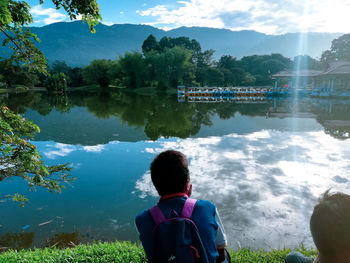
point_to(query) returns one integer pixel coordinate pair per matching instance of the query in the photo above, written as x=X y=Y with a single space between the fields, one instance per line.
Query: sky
x=266 y=16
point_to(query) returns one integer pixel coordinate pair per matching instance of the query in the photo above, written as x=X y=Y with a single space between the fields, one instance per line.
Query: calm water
x=264 y=165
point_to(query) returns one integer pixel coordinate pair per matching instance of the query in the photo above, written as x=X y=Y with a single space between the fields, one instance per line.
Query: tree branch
x=14 y=42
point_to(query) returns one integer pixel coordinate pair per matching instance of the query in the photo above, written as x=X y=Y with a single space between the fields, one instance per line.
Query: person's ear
x=189 y=190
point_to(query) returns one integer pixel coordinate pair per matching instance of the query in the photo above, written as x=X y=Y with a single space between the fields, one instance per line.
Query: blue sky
x=267 y=16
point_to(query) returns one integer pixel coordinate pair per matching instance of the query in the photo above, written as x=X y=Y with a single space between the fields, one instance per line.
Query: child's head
x=169 y=172
x=330 y=226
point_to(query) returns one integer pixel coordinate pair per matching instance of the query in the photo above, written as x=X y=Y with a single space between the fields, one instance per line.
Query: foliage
x=262 y=67
x=73 y=76
x=185 y=42
x=133 y=70
x=15 y=16
x=13 y=74
x=20 y=159
x=304 y=62
x=169 y=59
x=76 y=77
x=228 y=71
x=340 y=50
x=150 y=44
x=233 y=74
x=171 y=67
x=168 y=63
x=206 y=71
x=210 y=76
x=99 y=72
x=57 y=82
x=128 y=252
x=60 y=67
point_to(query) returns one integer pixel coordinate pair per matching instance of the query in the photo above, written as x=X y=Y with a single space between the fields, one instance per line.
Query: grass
x=122 y=252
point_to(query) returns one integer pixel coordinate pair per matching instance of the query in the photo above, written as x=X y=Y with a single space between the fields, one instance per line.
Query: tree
x=212 y=77
x=204 y=63
x=15 y=16
x=57 y=82
x=14 y=74
x=171 y=67
x=19 y=158
x=184 y=42
x=60 y=67
x=150 y=44
x=166 y=42
x=306 y=62
x=99 y=72
x=340 y=50
x=76 y=77
x=228 y=62
x=73 y=76
x=134 y=69
x=233 y=73
x=263 y=66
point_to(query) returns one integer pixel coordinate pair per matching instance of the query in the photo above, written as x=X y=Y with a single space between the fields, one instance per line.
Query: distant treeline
x=171 y=62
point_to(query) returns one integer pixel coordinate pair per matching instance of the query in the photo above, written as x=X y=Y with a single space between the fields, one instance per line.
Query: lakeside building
x=334 y=81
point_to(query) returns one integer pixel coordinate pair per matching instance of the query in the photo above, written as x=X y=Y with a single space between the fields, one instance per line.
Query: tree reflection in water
x=24 y=240
x=161 y=115
x=16 y=240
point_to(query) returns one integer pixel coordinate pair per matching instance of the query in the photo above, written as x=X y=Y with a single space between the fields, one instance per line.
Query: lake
x=263 y=164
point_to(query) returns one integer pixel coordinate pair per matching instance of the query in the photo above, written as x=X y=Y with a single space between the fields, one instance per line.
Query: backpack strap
x=187 y=210
x=157 y=215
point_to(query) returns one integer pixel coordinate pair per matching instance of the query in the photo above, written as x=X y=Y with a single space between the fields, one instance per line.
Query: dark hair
x=330 y=224
x=169 y=172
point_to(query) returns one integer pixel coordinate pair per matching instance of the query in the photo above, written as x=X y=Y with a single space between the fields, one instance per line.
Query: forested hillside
x=74 y=44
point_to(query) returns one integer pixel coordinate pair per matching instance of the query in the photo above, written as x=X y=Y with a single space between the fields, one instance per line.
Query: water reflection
x=98 y=118
x=265 y=184
x=263 y=173
x=25 y=240
x=63 y=240
x=16 y=240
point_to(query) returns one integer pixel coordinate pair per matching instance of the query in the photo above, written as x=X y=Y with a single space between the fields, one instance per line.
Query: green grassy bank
x=127 y=252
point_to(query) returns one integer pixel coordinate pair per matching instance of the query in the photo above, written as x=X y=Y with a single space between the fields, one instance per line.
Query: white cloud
x=268 y=16
x=96 y=148
x=47 y=15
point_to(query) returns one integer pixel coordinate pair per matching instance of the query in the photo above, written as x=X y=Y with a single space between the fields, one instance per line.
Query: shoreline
x=125 y=251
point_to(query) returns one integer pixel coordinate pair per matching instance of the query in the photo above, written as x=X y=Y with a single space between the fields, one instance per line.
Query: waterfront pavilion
x=335 y=78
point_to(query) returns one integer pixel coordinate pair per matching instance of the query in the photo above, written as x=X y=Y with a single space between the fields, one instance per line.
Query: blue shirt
x=204 y=216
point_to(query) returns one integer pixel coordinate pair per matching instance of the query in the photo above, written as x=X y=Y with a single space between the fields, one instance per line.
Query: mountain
x=73 y=42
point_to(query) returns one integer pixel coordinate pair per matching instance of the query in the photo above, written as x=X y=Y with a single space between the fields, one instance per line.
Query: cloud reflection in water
x=264 y=184
x=55 y=150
